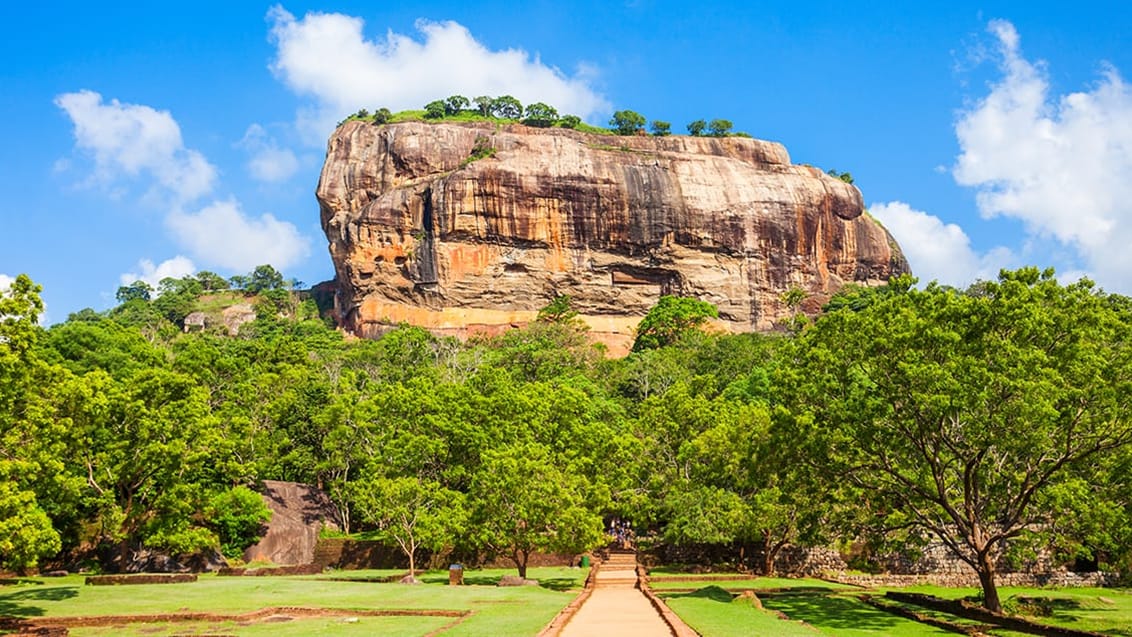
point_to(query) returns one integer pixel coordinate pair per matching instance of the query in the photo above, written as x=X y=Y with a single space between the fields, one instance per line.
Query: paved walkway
x=616 y=607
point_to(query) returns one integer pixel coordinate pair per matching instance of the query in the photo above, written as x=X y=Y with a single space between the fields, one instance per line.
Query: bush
x=627 y=122
x=570 y=121
x=237 y=516
x=435 y=109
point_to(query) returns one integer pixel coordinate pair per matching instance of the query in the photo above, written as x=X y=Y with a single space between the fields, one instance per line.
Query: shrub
x=237 y=517
x=435 y=109
x=627 y=122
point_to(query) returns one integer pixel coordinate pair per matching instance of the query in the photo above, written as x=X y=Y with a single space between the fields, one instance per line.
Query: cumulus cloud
x=1058 y=163
x=222 y=234
x=133 y=140
x=6 y=282
x=129 y=140
x=327 y=57
x=177 y=267
x=268 y=162
x=938 y=251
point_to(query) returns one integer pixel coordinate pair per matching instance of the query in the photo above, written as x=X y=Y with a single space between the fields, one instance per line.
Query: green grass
x=503 y=611
x=712 y=612
x=1104 y=610
x=299 y=627
x=845 y=616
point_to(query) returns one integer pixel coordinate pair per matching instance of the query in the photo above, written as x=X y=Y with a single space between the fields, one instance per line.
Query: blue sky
x=144 y=143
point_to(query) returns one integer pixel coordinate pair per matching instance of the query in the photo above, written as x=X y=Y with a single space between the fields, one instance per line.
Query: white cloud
x=1060 y=163
x=177 y=267
x=6 y=282
x=131 y=139
x=938 y=251
x=221 y=234
x=268 y=162
x=326 y=56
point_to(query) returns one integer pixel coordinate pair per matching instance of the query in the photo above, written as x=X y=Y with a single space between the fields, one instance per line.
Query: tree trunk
x=770 y=552
x=412 y=565
x=986 y=580
x=522 y=563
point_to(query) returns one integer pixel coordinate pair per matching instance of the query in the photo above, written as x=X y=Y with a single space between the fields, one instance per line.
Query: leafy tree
x=454 y=104
x=696 y=128
x=484 y=105
x=627 y=122
x=26 y=532
x=264 y=278
x=136 y=291
x=239 y=281
x=719 y=127
x=669 y=319
x=506 y=107
x=661 y=128
x=410 y=512
x=237 y=516
x=540 y=115
x=382 y=116
x=967 y=416
x=435 y=109
x=846 y=177
x=211 y=281
x=177 y=297
x=560 y=310
x=570 y=121
x=525 y=503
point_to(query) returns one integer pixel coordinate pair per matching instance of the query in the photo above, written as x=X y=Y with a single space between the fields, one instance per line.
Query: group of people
x=622 y=532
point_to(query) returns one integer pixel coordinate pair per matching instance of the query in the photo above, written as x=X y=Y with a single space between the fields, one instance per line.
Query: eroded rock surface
x=422 y=231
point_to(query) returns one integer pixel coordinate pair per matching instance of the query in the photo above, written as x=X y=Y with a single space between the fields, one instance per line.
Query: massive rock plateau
x=424 y=229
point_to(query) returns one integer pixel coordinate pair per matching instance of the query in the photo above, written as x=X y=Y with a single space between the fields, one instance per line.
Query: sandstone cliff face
x=421 y=232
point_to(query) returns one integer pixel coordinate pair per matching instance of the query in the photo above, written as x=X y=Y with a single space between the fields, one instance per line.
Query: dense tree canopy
x=969 y=416
x=990 y=418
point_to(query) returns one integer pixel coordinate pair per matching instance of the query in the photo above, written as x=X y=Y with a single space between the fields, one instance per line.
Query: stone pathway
x=616 y=607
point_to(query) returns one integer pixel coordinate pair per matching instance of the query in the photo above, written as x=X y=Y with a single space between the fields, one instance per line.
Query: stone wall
x=1058 y=579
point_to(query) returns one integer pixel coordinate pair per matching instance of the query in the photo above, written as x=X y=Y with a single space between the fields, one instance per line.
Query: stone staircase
x=617 y=570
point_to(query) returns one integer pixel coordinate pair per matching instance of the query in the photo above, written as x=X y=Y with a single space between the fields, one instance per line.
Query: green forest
x=993 y=418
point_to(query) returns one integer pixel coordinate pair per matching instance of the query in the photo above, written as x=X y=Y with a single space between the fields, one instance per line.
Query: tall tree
x=669 y=319
x=410 y=512
x=627 y=122
x=525 y=502
x=26 y=532
x=964 y=414
x=506 y=107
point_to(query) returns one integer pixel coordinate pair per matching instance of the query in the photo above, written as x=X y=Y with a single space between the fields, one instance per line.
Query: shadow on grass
x=714 y=593
x=14 y=604
x=559 y=584
x=833 y=612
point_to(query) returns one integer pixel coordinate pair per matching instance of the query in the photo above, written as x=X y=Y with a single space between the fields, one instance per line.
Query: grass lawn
x=1103 y=610
x=712 y=612
x=675 y=581
x=339 y=626
x=520 y=610
x=845 y=616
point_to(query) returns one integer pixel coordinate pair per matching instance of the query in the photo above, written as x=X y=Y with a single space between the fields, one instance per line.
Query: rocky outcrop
x=299 y=512
x=474 y=227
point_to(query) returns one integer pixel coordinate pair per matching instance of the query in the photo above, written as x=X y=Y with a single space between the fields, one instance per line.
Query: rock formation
x=473 y=227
